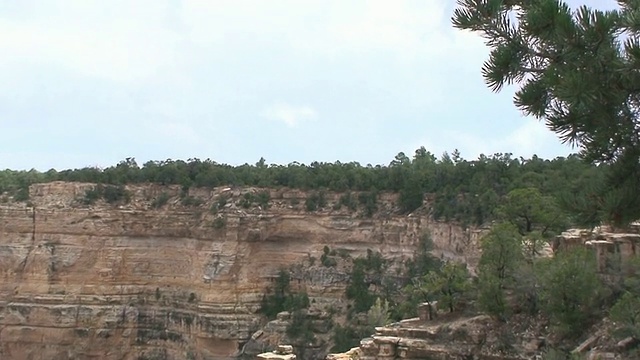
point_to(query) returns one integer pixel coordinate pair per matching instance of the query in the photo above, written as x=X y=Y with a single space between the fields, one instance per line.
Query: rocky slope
x=131 y=281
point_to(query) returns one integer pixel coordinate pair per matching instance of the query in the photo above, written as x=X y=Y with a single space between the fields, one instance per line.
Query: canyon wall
x=131 y=281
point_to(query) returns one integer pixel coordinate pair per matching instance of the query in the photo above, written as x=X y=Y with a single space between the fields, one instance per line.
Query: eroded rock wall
x=129 y=281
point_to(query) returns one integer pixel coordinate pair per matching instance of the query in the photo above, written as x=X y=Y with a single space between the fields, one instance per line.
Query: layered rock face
x=130 y=281
x=612 y=247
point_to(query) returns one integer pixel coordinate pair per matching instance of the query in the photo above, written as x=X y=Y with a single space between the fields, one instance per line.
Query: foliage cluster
x=281 y=298
x=219 y=222
x=191 y=201
x=468 y=191
x=315 y=201
x=160 y=201
x=566 y=289
x=327 y=258
x=109 y=193
x=261 y=198
x=578 y=71
x=347 y=200
x=366 y=272
x=301 y=327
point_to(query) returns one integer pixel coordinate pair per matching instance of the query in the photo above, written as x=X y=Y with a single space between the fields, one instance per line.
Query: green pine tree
x=577 y=71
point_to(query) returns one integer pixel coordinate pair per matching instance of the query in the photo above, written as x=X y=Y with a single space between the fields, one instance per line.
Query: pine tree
x=577 y=71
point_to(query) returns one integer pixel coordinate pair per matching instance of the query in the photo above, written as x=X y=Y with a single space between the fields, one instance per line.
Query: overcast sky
x=89 y=83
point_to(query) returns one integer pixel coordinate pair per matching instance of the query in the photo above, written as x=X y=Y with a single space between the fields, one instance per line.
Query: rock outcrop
x=461 y=338
x=131 y=281
x=612 y=247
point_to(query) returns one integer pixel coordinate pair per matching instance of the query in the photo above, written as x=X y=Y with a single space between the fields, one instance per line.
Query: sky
x=92 y=82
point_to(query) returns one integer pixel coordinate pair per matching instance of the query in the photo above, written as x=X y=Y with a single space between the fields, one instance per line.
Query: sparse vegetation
x=110 y=193
x=315 y=201
x=191 y=201
x=349 y=201
x=327 y=258
x=370 y=202
x=249 y=199
x=468 y=191
x=219 y=222
x=21 y=195
x=281 y=298
x=160 y=201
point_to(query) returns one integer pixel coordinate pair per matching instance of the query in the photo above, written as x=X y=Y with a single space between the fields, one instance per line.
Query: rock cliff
x=181 y=280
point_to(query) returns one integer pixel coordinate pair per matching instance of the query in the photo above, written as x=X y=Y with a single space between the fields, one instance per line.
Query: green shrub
x=325 y=258
x=411 y=196
x=370 y=202
x=571 y=291
x=328 y=261
x=191 y=201
x=300 y=327
x=113 y=194
x=281 y=298
x=22 y=194
x=160 y=201
x=316 y=201
x=219 y=223
x=349 y=201
x=109 y=193
x=222 y=201
x=246 y=201
x=347 y=337
x=91 y=196
x=262 y=199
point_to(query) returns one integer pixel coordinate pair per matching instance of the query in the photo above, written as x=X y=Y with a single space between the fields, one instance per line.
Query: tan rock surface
x=129 y=281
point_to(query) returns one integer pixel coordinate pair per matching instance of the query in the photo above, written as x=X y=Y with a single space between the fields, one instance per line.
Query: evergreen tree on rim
x=579 y=71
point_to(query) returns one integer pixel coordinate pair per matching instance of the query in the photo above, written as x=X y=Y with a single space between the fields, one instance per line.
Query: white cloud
x=405 y=29
x=129 y=42
x=290 y=115
x=118 y=41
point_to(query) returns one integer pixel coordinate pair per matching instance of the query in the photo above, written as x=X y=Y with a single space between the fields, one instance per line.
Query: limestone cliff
x=131 y=281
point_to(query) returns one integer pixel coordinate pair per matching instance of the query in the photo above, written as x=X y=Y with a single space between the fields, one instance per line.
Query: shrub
x=571 y=290
x=222 y=201
x=411 y=196
x=91 y=196
x=110 y=193
x=191 y=201
x=349 y=201
x=325 y=259
x=347 y=337
x=370 y=202
x=316 y=201
x=22 y=194
x=113 y=194
x=263 y=198
x=160 y=201
x=300 y=327
x=246 y=201
x=328 y=261
x=219 y=223
x=281 y=298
